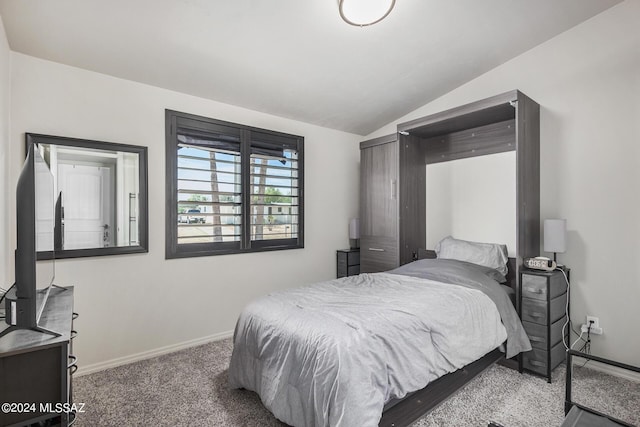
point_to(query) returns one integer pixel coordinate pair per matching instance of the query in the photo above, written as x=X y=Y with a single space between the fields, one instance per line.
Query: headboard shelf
x=488 y=139
x=484 y=112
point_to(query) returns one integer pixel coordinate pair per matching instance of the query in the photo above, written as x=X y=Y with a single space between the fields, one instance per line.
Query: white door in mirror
x=89 y=205
x=540 y=263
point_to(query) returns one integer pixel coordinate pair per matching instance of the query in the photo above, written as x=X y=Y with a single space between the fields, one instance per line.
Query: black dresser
x=544 y=306
x=36 y=369
x=348 y=262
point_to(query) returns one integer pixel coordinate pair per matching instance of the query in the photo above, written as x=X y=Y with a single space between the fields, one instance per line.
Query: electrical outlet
x=595 y=320
x=595 y=326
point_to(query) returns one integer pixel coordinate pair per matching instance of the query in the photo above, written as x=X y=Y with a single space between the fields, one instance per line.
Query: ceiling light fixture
x=363 y=13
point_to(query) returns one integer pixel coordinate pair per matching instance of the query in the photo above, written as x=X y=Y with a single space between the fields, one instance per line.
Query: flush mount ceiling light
x=363 y=13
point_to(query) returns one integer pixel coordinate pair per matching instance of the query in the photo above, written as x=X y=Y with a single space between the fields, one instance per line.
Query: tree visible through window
x=232 y=188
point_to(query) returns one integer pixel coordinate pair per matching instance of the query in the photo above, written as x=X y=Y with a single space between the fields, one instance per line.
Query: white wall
x=5 y=100
x=473 y=199
x=138 y=303
x=587 y=82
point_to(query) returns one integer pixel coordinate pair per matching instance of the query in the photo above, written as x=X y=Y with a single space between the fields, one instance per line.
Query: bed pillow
x=487 y=254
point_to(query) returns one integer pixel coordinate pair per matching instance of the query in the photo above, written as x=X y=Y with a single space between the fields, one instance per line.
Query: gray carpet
x=189 y=388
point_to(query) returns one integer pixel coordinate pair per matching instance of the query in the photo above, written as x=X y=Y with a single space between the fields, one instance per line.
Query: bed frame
x=506 y=122
x=404 y=412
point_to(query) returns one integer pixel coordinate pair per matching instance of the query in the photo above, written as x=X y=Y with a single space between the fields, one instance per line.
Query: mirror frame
x=143 y=208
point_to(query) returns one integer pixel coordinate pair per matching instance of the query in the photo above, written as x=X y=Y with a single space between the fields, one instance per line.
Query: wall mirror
x=101 y=188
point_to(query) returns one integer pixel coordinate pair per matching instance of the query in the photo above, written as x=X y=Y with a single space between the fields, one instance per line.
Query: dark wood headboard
x=511 y=266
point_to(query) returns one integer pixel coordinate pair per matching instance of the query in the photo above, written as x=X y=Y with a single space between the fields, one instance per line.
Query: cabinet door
x=379 y=190
x=379 y=207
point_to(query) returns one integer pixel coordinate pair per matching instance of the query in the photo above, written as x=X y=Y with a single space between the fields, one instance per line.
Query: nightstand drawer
x=535 y=311
x=347 y=259
x=353 y=258
x=536 y=360
x=348 y=262
x=538 y=334
x=534 y=287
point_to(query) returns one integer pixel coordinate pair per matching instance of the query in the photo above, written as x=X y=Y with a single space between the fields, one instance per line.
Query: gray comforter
x=474 y=277
x=333 y=353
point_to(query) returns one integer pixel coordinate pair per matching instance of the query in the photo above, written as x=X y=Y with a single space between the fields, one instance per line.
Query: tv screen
x=35 y=225
x=44 y=219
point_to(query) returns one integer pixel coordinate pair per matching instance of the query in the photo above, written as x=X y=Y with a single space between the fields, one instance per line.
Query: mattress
x=333 y=353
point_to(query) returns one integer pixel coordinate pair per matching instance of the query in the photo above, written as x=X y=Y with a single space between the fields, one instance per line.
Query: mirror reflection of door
x=101 y=196
x=89 y=205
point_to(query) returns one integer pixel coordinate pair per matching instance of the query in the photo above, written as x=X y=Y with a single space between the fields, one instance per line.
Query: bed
x=335 y=353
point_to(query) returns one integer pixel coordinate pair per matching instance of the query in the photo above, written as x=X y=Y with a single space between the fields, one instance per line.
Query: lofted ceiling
x=292 y=58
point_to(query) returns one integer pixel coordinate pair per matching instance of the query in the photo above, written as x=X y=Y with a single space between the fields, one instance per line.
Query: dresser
x=544 y=300
x=348 y=262
x=36 y=369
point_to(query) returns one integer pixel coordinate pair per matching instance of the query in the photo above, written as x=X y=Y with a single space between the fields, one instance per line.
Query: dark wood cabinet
x=348 y=262
x=379 y=204
x=544 y=306
x=392 y=202
x=36 y=369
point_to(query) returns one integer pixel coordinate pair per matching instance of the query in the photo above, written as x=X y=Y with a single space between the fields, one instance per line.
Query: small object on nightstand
x=348 y=262
x=543 y=311
x=540 y=263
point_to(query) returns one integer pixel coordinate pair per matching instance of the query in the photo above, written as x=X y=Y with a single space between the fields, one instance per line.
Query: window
x=231 y=188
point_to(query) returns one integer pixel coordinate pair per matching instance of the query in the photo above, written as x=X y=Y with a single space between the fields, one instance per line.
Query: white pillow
x=488 y=254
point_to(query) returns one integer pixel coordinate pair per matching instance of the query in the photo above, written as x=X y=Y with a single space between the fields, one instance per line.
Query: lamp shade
x=555 y=235
x=354 y=228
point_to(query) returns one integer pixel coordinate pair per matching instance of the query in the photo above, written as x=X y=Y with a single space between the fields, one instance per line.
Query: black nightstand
x=348 y=262
x=543 y=306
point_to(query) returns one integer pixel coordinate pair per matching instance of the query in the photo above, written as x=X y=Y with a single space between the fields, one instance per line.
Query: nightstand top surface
x=542 y=272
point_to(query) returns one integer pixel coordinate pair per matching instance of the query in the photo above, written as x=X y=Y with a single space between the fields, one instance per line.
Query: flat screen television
x=36 y=222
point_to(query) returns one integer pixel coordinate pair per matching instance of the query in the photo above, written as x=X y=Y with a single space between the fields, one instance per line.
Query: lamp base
x=354 y=243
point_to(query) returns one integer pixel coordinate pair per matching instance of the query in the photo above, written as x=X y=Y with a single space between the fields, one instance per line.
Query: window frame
x=175 y=119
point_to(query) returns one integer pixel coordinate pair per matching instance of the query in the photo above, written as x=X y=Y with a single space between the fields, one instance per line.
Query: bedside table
x=543 y=311
x=348 y=262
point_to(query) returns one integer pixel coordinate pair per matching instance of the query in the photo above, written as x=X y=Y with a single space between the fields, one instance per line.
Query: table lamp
x=555 y=236
x=354 y=232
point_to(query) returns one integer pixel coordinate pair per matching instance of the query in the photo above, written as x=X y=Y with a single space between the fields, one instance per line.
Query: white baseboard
x=608 y=369
x=101 y=366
